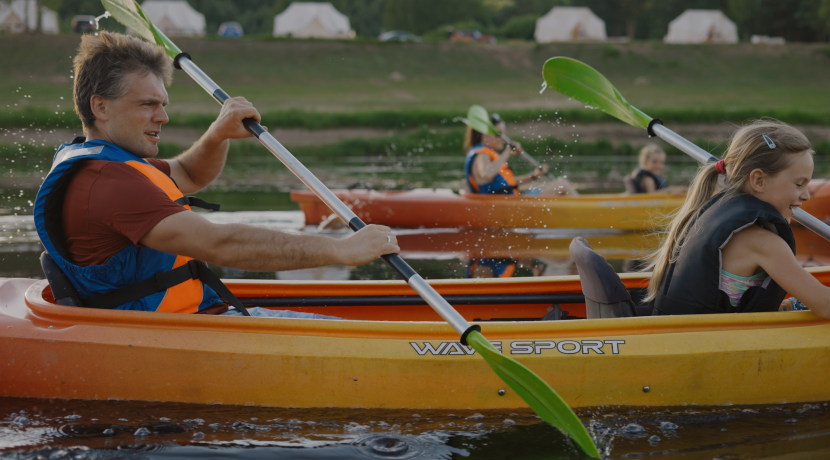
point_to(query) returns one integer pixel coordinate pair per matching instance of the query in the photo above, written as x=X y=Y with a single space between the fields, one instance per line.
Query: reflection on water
x=67 y=429
x=435 y=253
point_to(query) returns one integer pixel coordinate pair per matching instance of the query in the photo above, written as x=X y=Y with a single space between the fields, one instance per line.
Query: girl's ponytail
x=703 y=188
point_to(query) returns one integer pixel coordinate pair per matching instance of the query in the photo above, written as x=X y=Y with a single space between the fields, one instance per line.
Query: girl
x=730 y=247
x=647 y=177
x=487 y=170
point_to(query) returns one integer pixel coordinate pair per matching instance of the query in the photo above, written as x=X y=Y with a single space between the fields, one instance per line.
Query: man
x=113 y=217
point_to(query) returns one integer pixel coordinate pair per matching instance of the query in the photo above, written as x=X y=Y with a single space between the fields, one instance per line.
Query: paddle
x=479 y=120
x=582 y=82
x=533 y=390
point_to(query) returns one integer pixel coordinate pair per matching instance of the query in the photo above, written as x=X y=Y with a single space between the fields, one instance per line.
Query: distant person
x=730 y=248
x=487 y=171
x=647 y=178
x=114 y=219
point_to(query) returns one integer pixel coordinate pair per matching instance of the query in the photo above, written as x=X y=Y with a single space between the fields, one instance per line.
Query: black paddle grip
x=393 y=260
x=255 y=128
x=179 y=56
x=474 y=327
x=650 y=129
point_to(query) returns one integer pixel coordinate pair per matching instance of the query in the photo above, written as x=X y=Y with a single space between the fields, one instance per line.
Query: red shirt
x=109 y=205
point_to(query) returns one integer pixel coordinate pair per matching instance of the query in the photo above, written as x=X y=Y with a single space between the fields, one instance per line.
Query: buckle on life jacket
x=192 y=201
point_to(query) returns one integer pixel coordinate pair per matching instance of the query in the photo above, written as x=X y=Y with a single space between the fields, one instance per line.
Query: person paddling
x=730 y=247
x=647 y=178
x=113 y=218
x=487 y=171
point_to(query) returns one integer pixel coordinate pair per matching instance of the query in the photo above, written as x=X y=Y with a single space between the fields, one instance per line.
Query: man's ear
x=100 y=107
x=757 y=180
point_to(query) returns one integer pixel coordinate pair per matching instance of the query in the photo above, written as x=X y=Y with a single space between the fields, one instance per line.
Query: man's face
x=133 y=121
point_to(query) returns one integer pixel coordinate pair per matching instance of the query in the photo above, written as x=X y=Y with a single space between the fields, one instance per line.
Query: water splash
x=544 y=87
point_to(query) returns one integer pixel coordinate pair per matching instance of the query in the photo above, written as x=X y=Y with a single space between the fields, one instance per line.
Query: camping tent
x=702 y=26
x=312 y=20
x=176 y=18
x=569 y=24
x=17 y=15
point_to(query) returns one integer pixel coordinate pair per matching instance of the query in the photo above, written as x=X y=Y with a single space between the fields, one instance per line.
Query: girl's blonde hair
x=748 y=151
x=647 y=151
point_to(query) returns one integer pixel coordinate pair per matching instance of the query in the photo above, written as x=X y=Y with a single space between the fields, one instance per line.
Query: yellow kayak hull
x=408 y=360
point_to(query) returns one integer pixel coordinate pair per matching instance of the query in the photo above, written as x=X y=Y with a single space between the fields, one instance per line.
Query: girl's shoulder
x=755 y=238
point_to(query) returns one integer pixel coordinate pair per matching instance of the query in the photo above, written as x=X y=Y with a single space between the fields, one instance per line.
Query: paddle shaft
x=526 y=156
x=801 y=216
x=441 y=306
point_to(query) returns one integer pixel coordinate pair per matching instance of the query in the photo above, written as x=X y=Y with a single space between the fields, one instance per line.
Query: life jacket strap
x=163 y=281
x=199 y=203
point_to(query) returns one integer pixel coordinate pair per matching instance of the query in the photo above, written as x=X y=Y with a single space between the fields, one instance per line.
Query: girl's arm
x=772 y=254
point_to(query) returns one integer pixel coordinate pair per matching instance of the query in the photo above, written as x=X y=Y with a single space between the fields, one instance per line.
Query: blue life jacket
x=503 y=183
x=502 y=268
x=168 y=282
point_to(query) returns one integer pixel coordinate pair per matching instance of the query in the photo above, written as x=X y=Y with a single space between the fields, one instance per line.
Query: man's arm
x=251 y=248
x=199 y=165
x=485 y=170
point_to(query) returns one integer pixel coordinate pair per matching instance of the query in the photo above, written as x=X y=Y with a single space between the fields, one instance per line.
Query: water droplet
x=475 y=416
x=141 y=433
x=507 y=421
x=654 y=440
x=634 y=428
x=72 y=417
x=164 y=419
x=667 y=426
x=109 y=432
x=21 y=421
x=198 y=435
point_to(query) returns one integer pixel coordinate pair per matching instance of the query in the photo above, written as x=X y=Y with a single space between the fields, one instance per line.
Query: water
x=66 y=429
x=59 y=429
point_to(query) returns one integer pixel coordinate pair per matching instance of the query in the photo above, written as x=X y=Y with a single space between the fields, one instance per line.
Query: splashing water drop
x=544 y=87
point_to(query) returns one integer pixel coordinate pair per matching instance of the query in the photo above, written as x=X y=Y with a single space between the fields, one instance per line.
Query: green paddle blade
x=535 y=392
x=479 y=120
x=582 y=82
x=129 y=13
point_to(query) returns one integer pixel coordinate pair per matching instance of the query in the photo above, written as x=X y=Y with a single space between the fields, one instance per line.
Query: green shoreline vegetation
x=402 y=119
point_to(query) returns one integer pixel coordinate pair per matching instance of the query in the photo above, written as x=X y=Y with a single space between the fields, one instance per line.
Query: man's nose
x=160 y=115
x=805 y=195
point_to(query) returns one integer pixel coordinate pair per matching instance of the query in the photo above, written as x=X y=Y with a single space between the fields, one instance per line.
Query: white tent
x=702 y=26
x=17 y=16
x=312 y=20
x=569 y=24
x=176 y=18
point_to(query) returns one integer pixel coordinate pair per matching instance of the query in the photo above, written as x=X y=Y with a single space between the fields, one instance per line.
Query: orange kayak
x=443 y=208
x=390 y=351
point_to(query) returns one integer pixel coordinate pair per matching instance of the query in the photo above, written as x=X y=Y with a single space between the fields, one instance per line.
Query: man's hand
x=228 y=124
x=366 y=245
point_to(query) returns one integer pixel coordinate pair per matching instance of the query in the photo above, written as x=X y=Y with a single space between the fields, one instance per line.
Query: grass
x=402 y=119
x=347 y=78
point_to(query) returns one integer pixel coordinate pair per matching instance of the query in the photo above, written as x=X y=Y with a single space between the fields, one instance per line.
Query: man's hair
x=105 y=61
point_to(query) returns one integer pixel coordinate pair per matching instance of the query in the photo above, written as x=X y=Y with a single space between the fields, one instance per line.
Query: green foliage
x=420 y=16
x=519 y=27
x=407 y=119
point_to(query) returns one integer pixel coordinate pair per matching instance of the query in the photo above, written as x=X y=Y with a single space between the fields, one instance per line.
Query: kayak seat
x=62 y=289
x=605 y=294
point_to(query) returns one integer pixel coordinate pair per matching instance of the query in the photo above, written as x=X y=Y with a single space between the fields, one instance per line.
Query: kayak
x=443 y=208
x=390 y=350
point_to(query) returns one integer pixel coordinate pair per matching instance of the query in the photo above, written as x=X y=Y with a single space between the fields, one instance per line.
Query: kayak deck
x=408 y=359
